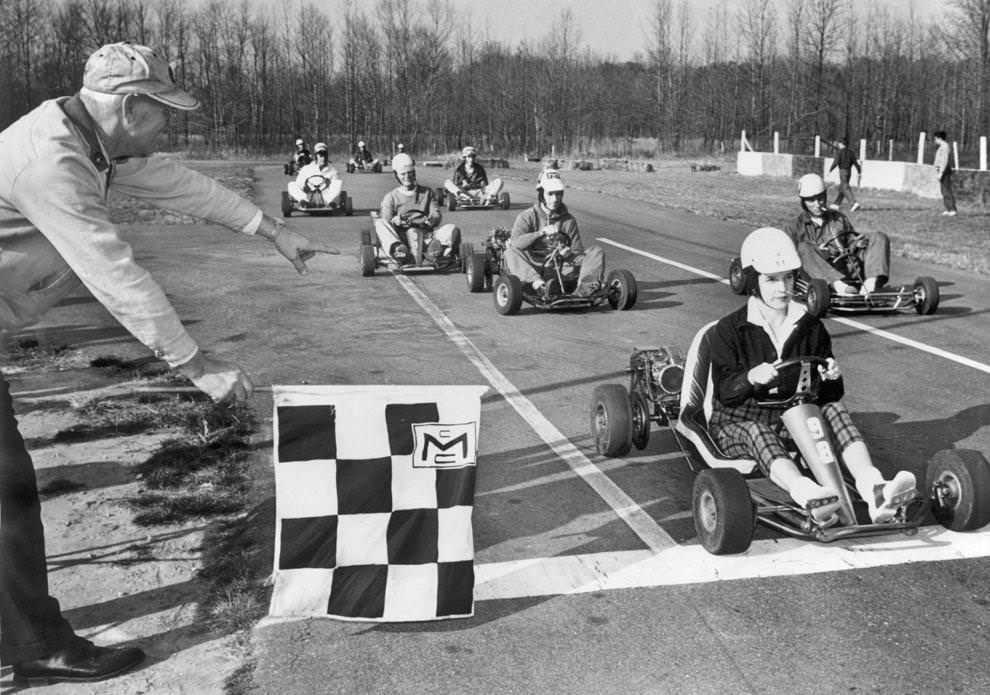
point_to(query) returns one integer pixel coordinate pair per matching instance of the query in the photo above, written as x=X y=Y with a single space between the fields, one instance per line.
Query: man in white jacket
x=59 y=163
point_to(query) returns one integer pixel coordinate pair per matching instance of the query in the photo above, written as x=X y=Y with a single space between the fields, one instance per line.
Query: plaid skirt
x=750 y=431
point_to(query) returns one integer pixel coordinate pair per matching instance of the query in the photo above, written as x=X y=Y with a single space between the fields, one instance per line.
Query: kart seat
x=697 y=393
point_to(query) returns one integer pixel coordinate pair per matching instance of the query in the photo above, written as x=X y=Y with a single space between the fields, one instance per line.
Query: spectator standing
x=845 y=160
x=943 y=170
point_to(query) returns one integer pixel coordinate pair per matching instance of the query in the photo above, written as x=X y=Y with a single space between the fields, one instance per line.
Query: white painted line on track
x=880 y=333
x=692 y=564
x=625 y=507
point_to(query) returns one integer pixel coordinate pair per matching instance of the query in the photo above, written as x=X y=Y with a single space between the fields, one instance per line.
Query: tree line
x=419 y=72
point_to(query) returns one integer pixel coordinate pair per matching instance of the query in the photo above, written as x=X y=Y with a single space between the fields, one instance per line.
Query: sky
x=616 y=28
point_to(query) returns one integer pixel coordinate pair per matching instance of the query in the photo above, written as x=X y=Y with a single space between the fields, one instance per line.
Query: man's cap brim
x=177 y=99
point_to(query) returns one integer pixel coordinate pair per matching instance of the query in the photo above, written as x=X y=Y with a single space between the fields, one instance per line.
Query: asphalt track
x=590 y=579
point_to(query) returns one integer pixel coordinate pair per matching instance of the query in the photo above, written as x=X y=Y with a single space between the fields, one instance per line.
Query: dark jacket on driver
x=738 y=344
x=478 y=178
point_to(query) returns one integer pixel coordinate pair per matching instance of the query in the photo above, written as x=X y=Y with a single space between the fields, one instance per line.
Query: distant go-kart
x=473 y=200
x=360 y=166
x=731 y=495
x=316 y=188
x=820 y=297
x=619 y=289
x=386 y=246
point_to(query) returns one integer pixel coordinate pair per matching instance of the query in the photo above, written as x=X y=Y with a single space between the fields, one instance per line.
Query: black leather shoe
x=81 y=662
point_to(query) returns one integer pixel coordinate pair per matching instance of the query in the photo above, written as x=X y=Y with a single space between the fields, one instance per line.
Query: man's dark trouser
x=31 y=623
x=845 y=190
x=948 y=197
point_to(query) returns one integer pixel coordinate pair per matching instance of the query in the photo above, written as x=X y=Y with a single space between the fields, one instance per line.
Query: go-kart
x=560 y=291
x=316 y=188
x=472 y=200
x=731 y=495
x=361 y=166
x=408 y=248
x=846 y=256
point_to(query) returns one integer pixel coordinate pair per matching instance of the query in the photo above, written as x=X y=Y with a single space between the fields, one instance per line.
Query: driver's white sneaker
x=891 y=496
x=821 y=503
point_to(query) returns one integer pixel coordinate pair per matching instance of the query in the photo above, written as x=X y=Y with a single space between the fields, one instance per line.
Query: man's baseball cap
x=127 y=68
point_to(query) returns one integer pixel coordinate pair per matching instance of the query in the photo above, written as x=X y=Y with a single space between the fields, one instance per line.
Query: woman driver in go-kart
x=746 y=346
x=414 y=216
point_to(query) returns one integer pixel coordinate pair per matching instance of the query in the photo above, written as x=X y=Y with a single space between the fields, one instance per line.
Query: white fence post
x=862 y=150
x=742 y=142
x=776 y=142
x=818 y=145
x=955 y=154
x=983 y=153
x=921 y=147
x=890 y=150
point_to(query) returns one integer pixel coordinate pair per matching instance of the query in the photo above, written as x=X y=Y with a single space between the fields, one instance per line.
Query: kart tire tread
x=926 y=294
x=724 y=518
x=508 y=295
x=611 y=420
x=640 y=419
x=369 y=260
x=623 y=297
x=818 y=298
x=737 y=280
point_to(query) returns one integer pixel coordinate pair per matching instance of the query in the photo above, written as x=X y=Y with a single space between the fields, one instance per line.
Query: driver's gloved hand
x=762 y=374
x=396 y=220
x=830 y=372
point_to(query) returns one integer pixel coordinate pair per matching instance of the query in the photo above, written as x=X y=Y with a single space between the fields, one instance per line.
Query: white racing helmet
x=320 y=147
x=468 y=151
x=550 y=181
x=300 y=142
x=361 y=143
x=769 y=250
x=810 y=186
x=402 y=163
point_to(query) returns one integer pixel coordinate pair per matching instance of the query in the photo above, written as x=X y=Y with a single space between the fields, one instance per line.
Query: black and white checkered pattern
x=374 y=495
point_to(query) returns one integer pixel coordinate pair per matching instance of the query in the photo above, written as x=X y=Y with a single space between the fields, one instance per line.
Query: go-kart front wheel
x=925 y=295
x=476 y=272
x=508 y=295
x=368 y=259
x=723 y=511
x=622 y=290
x=737 y=282
x=286 y=204
x=504 y=200
x=348 y=204
x=958 y=482
x=818 y=299
x=639 y=409
x=611 y=420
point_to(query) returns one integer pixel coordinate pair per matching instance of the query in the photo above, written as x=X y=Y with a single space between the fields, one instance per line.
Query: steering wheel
x=317 y=182
x=415 y=218
x=809 y=380
x=844 y=250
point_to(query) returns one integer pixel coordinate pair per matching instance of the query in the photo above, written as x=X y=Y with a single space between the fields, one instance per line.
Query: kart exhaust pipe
x=807 y=427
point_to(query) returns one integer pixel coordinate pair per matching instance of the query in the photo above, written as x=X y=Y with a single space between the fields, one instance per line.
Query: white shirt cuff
x=252 y=226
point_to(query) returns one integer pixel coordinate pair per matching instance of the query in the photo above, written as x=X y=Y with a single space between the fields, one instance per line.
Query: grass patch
x=155 y=509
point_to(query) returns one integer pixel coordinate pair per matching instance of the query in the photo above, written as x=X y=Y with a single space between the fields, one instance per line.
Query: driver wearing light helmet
x=745 y=348
x=823 y=238
x=326 y=182
x=301 y=155
x=363 y=157
x=547 y=226
x=470 y=178
x=415 y=214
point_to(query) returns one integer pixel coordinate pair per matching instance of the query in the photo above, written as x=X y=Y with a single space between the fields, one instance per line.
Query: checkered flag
x=374 y=489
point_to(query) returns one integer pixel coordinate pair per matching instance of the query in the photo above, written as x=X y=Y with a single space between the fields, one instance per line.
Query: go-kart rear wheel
x=958 y=482
x=476 y=272
x=622 y=290
x=639 y=409
x=286 y=204
x=368 y=259
x=736 y=280
x=503 y=200
x=451 y=202
x=367 y=237
x=818 y=299
x=348 y=204
x=350 y=168
x=508 y=295
x=611 y=420
x=926 y=295
x=723 y=511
